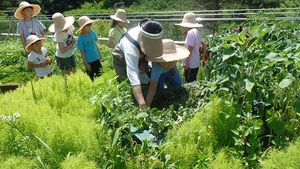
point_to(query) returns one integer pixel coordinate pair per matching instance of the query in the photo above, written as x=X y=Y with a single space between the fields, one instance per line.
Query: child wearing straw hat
x=87 y=45
x=192 y=43
x=37 y=57
x=117 y=27
x=62 y=28
x=164 y=69
x=28 y=24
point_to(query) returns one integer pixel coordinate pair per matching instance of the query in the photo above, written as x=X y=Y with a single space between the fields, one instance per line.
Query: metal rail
x=228 y=15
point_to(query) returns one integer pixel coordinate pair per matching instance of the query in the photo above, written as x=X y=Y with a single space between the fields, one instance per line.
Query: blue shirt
x=89 y=46
x=157 y=70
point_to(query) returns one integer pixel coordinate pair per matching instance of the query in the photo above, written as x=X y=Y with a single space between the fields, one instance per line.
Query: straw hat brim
x=114 y=17
x=91 y=21
x=189 y=25
x=69 y=22
x=181 y=53
x=36 y=10
x=28 y=48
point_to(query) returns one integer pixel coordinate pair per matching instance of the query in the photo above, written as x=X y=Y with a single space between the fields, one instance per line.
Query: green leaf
x=254 y=30
x=274 y=57
x=228 y=53
x=116 y=136
x=221 y=66
x=277 y=126
x=296 y=106
x=141 y=115
x=249 y=85
x=49 y=149
x=285 y=83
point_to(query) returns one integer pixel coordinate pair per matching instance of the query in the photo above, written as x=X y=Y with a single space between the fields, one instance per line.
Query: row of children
x=32 y=34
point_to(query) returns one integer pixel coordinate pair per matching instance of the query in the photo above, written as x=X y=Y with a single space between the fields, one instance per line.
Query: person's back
x=192 y=43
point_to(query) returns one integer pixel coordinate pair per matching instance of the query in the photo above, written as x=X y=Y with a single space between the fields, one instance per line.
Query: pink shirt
x=193 y=39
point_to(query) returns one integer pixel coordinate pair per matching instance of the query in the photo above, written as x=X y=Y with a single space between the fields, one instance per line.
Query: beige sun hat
x=189 y=21
x=32 y=39
x=172 y=52
x=18 y=13
x=60 y=22
x=120 y=15
x=84 y=20
x=151 y=43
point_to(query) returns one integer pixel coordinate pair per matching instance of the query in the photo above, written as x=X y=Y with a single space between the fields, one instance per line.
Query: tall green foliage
x=289 y=157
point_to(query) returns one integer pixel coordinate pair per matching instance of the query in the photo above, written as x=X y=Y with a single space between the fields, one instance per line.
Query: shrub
x=223 y=160
x=78 y=162
x=289 y=157
x=196 y=140
x=18 y=162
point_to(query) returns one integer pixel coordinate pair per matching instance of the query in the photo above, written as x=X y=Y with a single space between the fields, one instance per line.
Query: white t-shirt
x=132 y=56
x=65 y=38
x=36 y=58
x=27 y=28
x=193 y=39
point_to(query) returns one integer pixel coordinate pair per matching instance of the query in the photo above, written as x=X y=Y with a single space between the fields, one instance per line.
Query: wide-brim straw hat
x=172 y=52
x=120 y=15
x=36 y=9
x=60 y=22
x=83 y=21
x=151 y=43
x=189 y=20
x=32 y=39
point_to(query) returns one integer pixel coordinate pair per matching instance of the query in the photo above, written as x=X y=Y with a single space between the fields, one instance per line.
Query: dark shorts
x=95 y=69
x=66 y=63
x=190 y=75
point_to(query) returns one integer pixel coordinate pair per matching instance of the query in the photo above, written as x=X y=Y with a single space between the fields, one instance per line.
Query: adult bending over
x=129 y=55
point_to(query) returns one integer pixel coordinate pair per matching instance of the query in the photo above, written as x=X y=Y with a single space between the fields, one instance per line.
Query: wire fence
x=211 y=19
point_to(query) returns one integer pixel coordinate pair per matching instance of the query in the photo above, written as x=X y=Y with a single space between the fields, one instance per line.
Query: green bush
x=223 y=160
x=78 y=162
x=19 y=163
x=196 y=140
x=284 y=158
x=57 y=111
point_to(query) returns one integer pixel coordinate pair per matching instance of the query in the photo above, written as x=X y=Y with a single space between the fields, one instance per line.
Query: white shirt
x=193 y=39
x=132 y=56
x=65 y=38
x=36 y=58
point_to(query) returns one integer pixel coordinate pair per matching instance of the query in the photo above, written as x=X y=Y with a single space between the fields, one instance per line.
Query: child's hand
x=185 y=66
x=87 y=67
x=48 y=61
x=174 y=71
x=74 y=40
